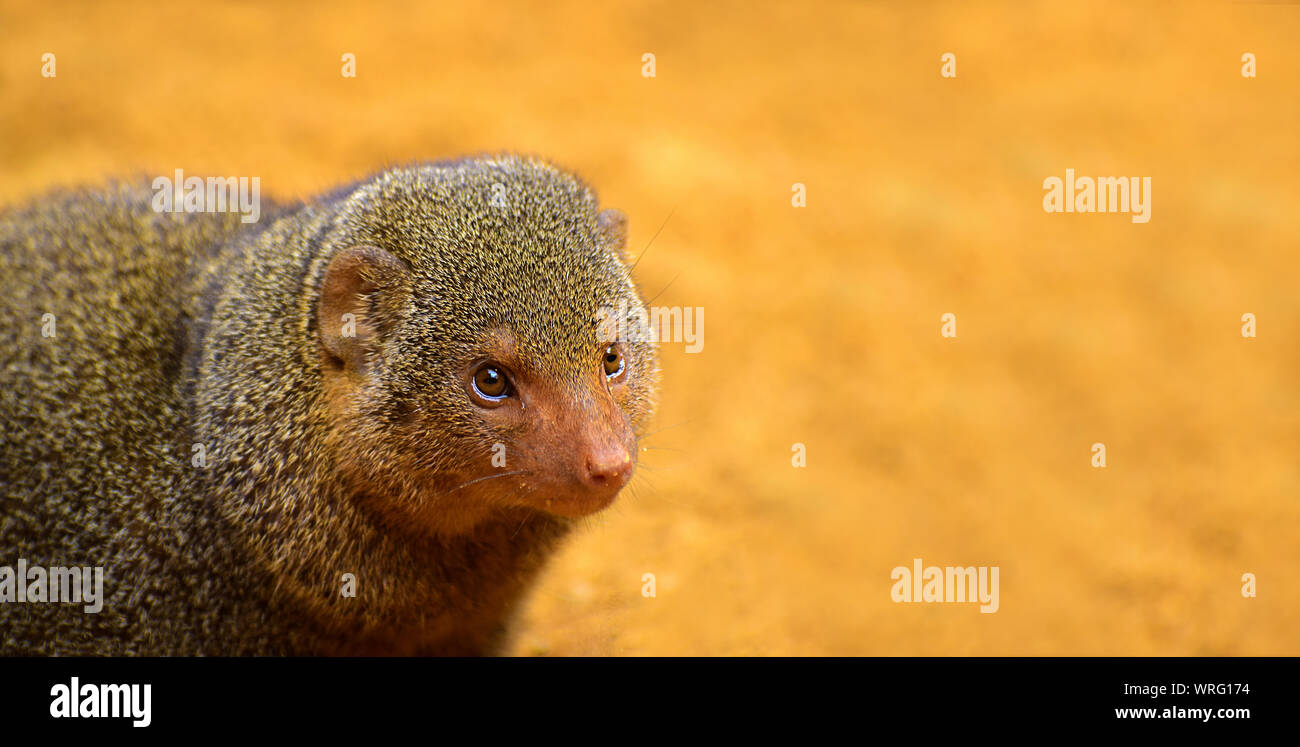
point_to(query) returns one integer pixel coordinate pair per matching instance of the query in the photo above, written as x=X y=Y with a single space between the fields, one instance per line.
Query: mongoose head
x=465 y=368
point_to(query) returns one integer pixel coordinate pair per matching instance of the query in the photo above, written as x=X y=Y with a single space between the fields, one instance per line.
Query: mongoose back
x=404 y=380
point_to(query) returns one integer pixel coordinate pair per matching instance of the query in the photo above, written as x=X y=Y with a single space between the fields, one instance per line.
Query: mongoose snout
x=575 y=448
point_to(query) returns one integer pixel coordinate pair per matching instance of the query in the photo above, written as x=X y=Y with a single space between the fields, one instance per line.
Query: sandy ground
x=823 y=323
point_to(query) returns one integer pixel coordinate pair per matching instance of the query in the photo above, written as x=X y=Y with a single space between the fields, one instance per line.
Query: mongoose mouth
x=596 y=488
x=457 y=508
x=576 y=507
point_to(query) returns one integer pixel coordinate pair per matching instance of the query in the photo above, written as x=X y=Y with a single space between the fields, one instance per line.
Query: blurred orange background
x=823 y=323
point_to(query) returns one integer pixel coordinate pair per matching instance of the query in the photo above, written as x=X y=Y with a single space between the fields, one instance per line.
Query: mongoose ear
x=613 y=229
x=361 y=298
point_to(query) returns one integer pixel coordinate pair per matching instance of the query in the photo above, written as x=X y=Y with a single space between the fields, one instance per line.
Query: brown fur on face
x=566 y=433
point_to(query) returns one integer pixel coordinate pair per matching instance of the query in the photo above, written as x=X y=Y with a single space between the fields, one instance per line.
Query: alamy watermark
x=216 y=194
x=1103 y=194
x=75 y=700
x=683 y=324
x=951 y=584
x=24 y=584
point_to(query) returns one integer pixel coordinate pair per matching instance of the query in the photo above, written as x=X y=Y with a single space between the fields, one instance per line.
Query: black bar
x=991 y=696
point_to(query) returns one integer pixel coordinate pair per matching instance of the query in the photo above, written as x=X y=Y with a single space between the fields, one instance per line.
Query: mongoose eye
x=614 y=364
x=490 y=383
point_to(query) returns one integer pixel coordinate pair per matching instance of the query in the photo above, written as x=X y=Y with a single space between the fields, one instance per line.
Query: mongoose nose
x=608 y=468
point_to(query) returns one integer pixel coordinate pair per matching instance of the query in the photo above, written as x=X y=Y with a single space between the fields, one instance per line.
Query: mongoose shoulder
x=403 y=380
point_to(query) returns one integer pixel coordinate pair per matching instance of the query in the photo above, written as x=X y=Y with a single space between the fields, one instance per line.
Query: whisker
x=652 y=239
x=652 y=491
x=487 y=477
x=666 y=287
x=661 y=430
x=655 y=494
x=655 y=469
x=527 y=515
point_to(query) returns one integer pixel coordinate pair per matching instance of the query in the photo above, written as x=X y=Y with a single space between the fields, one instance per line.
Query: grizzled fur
x=176 y=330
